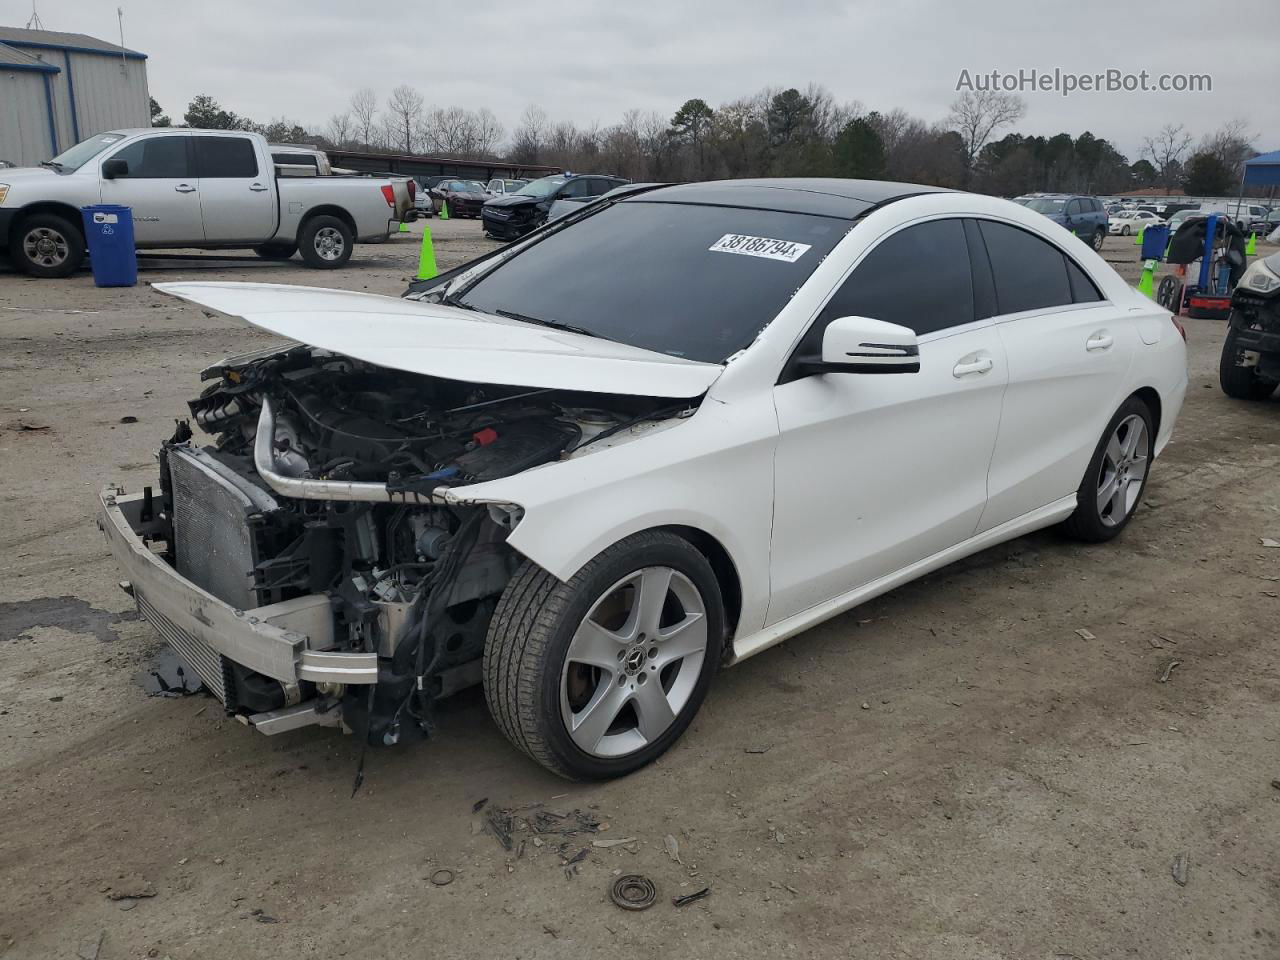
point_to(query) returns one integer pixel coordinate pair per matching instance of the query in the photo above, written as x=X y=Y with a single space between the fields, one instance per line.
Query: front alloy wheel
x=596 y=677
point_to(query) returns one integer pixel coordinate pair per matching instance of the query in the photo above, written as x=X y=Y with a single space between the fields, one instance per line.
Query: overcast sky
x=588 y=62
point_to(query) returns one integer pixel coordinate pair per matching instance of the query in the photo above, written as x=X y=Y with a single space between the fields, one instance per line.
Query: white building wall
x=24 y=118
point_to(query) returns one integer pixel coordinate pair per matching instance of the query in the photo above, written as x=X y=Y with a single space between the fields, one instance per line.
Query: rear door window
x=578 y=187
x=225 y=158
x=1083 y=289
x=1030 y=273
x=156 y=158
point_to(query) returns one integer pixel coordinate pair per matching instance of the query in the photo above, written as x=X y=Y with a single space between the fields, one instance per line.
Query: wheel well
x=326 y=211
x=70 y=214
x=722 y=565
x=1149 y=396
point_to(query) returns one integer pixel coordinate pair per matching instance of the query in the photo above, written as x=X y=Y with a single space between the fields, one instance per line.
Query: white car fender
x=712 y=471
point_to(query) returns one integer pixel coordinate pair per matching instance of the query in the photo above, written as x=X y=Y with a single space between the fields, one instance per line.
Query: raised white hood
x=449 y=342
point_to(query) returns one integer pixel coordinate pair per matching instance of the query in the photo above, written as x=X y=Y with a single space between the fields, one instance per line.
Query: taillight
x=389 y=192
x=413 y=188
x=1181 y=329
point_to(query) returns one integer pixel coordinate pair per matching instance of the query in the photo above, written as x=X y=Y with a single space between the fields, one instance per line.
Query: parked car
x=1242 y=213
x=1083 y=216
x=208 y=189
x=566 y=205
x=299 y=160
x=1250 y=364
x=512 y=216
x=500 y=187
x=587 y=470
x=464 y=197
x=1131 y=221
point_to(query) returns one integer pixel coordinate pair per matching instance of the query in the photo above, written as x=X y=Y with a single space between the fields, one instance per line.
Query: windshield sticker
x=766 y=247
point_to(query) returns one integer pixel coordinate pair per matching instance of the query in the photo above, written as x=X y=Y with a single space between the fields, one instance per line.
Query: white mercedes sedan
x=654 y=437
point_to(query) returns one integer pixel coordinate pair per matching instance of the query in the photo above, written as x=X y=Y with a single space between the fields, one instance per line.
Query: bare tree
x=488 y=132
x=364 y=113
x=405 y=107
x=339 y=129
x=528 y=140
x=1231 y=145
x=977 y=114
x=1166 y=150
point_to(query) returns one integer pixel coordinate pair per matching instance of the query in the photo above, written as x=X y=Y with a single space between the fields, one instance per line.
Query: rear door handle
x=185 y=188
x=972 y=367
x=257 y=188
x=1099 y=341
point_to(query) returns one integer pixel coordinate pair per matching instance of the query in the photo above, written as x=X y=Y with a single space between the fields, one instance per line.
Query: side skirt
x=797 y=623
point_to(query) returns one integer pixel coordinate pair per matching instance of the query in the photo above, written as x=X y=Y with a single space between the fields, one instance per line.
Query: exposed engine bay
x=408 y=574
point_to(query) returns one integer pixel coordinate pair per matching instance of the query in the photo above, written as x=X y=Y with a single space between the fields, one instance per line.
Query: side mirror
x=114 y=168
x=864 y=345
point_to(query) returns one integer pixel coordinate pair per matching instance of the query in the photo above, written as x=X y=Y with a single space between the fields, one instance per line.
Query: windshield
x=1040 y=205
x=475 y=186
x=541 y=188
x=700 y=282
x=514 y=185
x=86 y=150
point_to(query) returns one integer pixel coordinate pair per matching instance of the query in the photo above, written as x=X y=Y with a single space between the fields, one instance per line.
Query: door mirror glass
x=114 y=167
x=864 y=345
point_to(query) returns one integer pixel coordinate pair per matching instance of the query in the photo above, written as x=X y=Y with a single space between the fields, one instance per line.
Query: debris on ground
x=1168 y=670
x=89 y=949
x=512 y=826
x=1180 y=864
x=442 y=877
x=1085 y=634
x=578 y=857
x=672 y=846
x=1155 y=642
x=1266 y=541
x=1276 y=784
x=691 y=898
x=479 y=804
x=131 y=888
x=129 y=419
x=606 y=844
x=23 y=427
x=632 y=891
x=757 y=749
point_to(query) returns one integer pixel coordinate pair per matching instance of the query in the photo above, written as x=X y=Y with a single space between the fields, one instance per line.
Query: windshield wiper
x=554 y=324
x=452 y=301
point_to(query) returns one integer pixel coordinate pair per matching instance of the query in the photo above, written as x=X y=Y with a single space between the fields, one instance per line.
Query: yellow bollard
x=427 y=256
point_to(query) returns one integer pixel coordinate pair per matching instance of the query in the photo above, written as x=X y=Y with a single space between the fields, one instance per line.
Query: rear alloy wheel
x=597 y=677
x=1239 y=380
x=1099 y=236
x=1116 y=477
x=1124 y=231
x=48 y=246
x=325 y=243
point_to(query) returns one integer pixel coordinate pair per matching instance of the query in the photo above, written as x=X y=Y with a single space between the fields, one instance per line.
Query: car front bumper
x=288 y=642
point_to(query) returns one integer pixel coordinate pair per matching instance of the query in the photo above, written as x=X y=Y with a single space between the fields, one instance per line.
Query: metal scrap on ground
x=1180 y=864
x=506 y=824
x=691 y=898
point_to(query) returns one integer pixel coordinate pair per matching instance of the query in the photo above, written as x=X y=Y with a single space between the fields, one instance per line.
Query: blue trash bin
x=108 y=229
x=1154 y=242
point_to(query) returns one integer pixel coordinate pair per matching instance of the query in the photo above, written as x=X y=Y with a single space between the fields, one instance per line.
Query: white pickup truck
x=208 y=189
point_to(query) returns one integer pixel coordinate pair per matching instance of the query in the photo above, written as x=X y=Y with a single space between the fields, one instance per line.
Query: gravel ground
x=982 y=764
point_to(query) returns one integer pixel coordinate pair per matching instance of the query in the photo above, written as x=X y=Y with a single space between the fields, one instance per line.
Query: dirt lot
x=953 y=771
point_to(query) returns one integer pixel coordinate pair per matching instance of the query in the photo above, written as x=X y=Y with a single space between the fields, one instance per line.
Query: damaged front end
x=321 y=560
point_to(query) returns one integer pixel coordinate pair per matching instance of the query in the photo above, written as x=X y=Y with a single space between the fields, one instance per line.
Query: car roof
x=823 y=196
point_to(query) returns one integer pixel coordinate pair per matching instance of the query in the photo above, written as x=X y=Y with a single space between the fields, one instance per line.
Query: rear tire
x=325 y=243
x=1112 y=488
x=276 y=251
x=48 y=246
x=1099 y=236
x=1124 y=231
x=596 y=677
x=1241 y=382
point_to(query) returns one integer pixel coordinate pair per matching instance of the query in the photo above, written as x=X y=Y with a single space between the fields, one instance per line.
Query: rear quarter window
x=1030 y=273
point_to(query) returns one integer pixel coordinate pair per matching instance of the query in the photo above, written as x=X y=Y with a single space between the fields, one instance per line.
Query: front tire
x=1238 y=381
x=596 y=677
x=1116 y=477
x=1124 y=231
x=1099 y=237
x=325 y=243
x=48 y=246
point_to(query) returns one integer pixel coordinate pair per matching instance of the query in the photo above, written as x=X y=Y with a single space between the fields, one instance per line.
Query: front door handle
x=185 y=188
x=257 y=188
x=1099 y=341
x=972 y=367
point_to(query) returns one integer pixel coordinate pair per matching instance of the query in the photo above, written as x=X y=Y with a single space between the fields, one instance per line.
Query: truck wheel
x=47 y=245
x=276 y=251
x=596 y=677
x=1239 y=381
x=325 y=243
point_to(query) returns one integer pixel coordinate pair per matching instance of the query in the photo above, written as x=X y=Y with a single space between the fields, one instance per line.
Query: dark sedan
x=464 y=197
